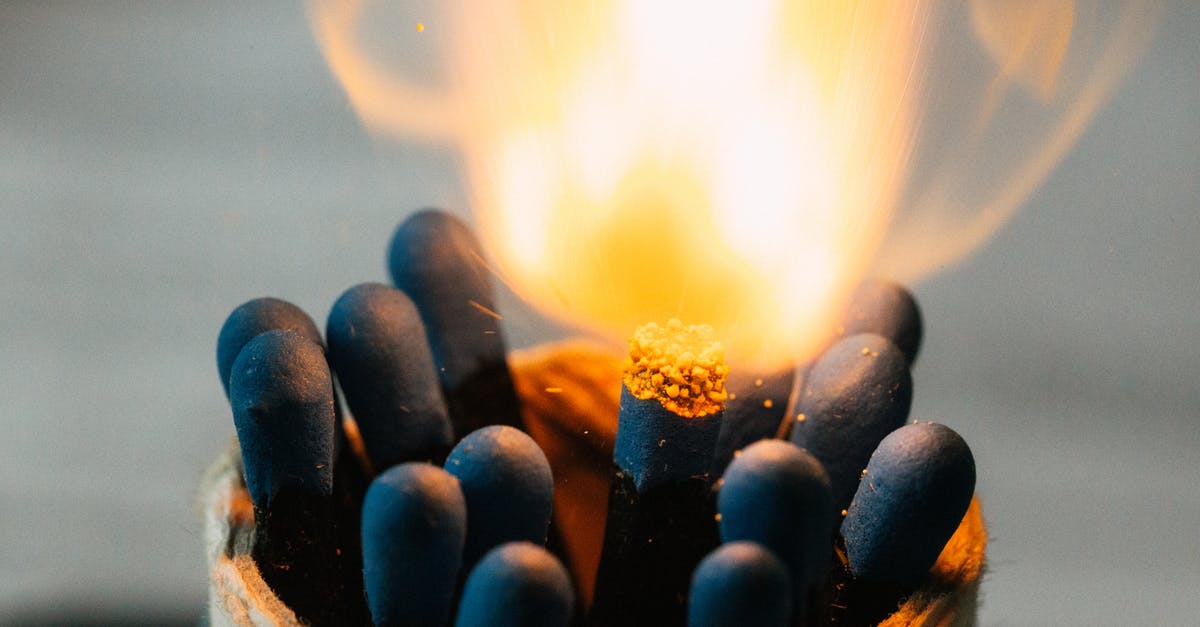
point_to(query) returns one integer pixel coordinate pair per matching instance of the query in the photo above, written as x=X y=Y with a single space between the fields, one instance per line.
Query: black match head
x=888 y=309
x=916 y=490
x=252 y=318
x=857 y=392
x=378 y=348
x=282 y=397
x=517 y=584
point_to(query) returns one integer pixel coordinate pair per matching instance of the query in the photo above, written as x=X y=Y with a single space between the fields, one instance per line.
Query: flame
x=741 y=166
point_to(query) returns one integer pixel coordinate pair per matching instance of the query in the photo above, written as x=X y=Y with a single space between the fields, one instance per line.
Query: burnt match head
x=857 y=392
x=282 y=397
x=913 y=496
x=506 y=480
x=377 y=346
x=517 y=584
x=414 y=521
x=888 y=309
x=740 y=583
x=672 y=398
x=252 y=318
x=778 y=495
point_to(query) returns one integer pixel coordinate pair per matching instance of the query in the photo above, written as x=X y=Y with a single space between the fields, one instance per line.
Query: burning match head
x=912 y=498
x=252 y=318
x=508 y=486
x=671 y=403
x=377 y=346
x=517 y=584
x=888 y=309
x=777 y=494
x=740 y=583
x=858 y=391
x=282 y=397
x=414 y=522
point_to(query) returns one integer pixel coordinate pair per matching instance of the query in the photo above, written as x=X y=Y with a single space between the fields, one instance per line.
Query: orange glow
x=742 y=165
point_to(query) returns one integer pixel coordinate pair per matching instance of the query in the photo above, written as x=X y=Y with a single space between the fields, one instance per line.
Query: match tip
x=682 y=366
x=414 y=521
x=508 y=485
x=889 y=309
x=740 y=583
x=915 y=493
x=253 y=318
x=779 y=495
x=517 y=584
x=281 y=392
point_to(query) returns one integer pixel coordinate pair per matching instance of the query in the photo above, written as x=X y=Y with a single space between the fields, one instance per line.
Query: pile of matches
x=801 y=497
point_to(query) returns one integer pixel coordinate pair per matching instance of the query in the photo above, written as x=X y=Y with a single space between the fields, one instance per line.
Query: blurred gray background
x=161 y=163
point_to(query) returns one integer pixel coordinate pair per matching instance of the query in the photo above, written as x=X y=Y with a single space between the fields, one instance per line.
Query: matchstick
x=778 y=495
x=267 y=314
x=915 y=492
x=413 y=527
x=740 y=583
x=517 y=584
x=281 y=392
x=377 y=347
x=436 y=260
x=888 y=309
x=508 y=486
x=661 y=514
x=857 y=392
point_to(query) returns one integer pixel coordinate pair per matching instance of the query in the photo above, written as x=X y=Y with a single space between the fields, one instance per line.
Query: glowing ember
x=743 y=165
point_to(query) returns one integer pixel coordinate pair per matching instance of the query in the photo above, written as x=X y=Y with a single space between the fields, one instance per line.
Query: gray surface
x=161 y=163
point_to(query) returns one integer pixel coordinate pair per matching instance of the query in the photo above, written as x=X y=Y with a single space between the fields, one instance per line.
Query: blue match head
x=517 y=584
x=914 y=495
x=282 y=398
x=740 y=583
x=252 y=318
x=377 y=347
x=436 y=260
x=756 y=405
x=857 y=392
x=888 y=309
x=656 y=446
x=506 y=480
x=778 y=495
x=414 y=520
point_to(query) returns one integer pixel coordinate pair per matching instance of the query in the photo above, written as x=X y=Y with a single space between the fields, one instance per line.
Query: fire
x=742 y=164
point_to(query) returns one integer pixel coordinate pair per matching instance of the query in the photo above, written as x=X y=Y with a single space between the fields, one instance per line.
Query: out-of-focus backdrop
x=161 y=163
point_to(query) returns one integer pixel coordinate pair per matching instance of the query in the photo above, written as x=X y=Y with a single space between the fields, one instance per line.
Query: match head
x=281 y=392
x=378 y=347
x=252 y=318
x=508 y=486
x=888 y=309
x=414 y=521
x=740 y=583
x=778 y=495
x=680 y=366
x=517 y=584
x=915 y=492
x=857 y=392
x=436 y=259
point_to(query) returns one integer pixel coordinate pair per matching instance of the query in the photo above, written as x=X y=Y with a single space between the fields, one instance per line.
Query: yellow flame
x=740 y=164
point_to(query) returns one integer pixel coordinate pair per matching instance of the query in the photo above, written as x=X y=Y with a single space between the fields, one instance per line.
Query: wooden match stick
x=281 y=392
x=661 y=516
x=914 y=494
